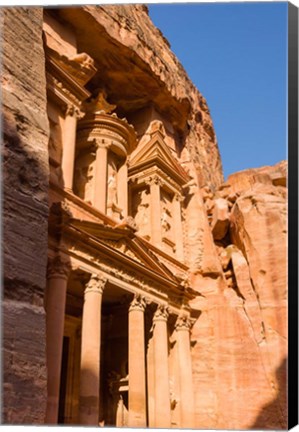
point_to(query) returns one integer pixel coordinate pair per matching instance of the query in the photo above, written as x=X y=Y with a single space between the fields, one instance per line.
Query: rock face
x=240 y=353
x=25 y=212
x=234 y=233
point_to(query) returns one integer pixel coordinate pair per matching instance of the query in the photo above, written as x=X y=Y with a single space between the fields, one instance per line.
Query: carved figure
x=142 y=212
x=112 y=189
x=166 y=214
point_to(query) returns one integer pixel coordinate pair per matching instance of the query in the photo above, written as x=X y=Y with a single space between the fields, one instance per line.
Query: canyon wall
x=25 y=212
x=240 y=350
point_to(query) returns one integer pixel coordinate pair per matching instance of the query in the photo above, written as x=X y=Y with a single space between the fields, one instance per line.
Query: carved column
x=72 y=114
x=137 y=389
x=178 y=228
x=55 y=298
x=162 y=394
x=183 y=326
x=100 y=177
x=155 y=204
x=122 y=186
x=90 y=352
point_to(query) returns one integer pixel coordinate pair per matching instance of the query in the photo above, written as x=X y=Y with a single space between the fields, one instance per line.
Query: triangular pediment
x=156 y=152
x=121 y=241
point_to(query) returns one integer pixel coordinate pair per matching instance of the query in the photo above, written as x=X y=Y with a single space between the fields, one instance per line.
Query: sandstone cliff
x=240 y=353
x=25 y=213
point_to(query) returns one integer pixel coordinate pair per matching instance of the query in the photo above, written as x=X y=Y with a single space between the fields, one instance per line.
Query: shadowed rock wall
x=25 y=212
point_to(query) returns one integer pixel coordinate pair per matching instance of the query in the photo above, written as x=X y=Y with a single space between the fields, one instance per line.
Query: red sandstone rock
x=220 y=219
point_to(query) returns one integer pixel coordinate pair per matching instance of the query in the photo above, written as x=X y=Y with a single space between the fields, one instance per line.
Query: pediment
x=156 y=152
x=121 y=240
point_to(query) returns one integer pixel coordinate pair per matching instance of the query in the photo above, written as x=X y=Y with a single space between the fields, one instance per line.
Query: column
x=183 y=326
x=90 y=352
x=100 y=177
x=69 y=145
x=55 y=298
x=178 y=228
x=162 y=394
x=122 y=188
x=137 y=389
x=155 y=204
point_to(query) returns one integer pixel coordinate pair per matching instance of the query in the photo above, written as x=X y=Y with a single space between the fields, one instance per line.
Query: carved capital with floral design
x=183 y=322
x=95 y=284
x=73 y=111
x=58 y=268
x=162 y=313
x=138 y=303
x=155 y=179
x=178 y=197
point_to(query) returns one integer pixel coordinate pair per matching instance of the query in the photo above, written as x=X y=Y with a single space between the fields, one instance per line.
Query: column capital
x=138 y=303
x=100 y=143
x=95 y=284
x=162 y=313
x=183 y=322
x=73 y=111
x=154 y=180
x=58 y=268
x=178 y=197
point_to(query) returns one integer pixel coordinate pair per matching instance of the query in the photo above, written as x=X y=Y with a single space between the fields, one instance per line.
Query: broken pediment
x=120 y=239
x=156 y=153
x=80 y=67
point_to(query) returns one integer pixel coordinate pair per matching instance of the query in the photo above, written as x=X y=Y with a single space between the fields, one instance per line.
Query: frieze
x=149 y=176
x=121 y=272
x=55 y=85
x=107 y=131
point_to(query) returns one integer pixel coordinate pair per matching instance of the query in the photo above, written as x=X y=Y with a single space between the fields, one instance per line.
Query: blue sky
x=236 y=55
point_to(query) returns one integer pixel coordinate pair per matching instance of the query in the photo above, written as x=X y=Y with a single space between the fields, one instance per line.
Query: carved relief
x=58 y=268
x=141 y=211
x=183 y=323
x=138 y=303
x=95 y=284
x=84 y=173
x=99 y=104
x=162 y=313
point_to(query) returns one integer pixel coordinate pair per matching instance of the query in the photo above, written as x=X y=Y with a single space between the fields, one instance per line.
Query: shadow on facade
x=274 y=414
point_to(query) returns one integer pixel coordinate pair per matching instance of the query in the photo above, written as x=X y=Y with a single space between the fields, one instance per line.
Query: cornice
x=63 y=86
x=116 y=131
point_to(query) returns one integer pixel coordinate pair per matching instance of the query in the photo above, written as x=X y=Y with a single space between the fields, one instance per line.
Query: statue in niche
x=142 y=212
x=84 y=177
x=112 y=189
x=165 y=219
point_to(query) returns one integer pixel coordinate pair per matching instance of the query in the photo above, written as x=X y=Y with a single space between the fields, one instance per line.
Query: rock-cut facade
x=140 y=290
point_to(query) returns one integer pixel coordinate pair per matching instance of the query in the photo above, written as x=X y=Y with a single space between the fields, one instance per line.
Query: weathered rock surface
x=25 y=212
x=220 y=221
x=240 y=353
